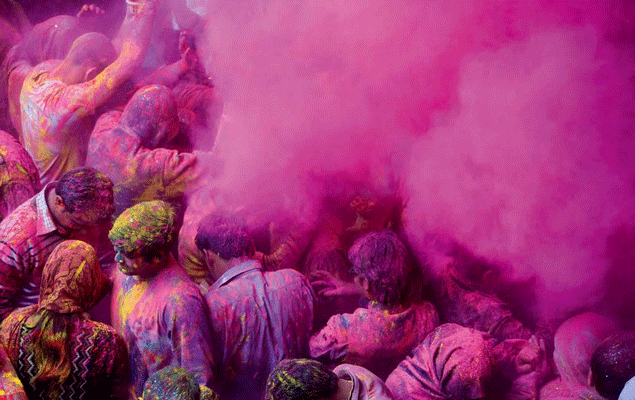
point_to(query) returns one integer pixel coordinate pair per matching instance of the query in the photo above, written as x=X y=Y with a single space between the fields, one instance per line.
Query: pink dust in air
x=508 y=124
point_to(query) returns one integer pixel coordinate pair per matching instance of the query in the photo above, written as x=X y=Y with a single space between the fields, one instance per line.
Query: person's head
x=301 y=379
x=83 y=198
x=152 y=115
x=575 y=341
x=72 y=283
x=72 y=280
x=89 y=55
x=175 y=383
x=381 y=265
x=143 y=236
x=613 y=364
x=197 y=98
x=223 y=238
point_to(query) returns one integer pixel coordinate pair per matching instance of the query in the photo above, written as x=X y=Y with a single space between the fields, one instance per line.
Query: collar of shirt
x=235 y=272
x=44 y=220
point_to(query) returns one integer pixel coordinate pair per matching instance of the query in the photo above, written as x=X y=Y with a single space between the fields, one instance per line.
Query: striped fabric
x=27 y=237
x=99 y=359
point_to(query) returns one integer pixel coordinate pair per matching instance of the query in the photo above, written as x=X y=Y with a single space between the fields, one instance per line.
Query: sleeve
x=330 y=345
x=11 y=278
x=188 y=324
x=121 y=387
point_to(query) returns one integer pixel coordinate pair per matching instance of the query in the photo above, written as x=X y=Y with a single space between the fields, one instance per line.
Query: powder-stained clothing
x=453 y=362
x=574 y=343
x=139 y=173
x=366 y=385
x=376 y=338
x=72 y=283
x=258 y=318
x=48 y=40
x=10 y=385
x=165 y=322
x=55 y=122
x=463 y=305
x=27 y=237
x=19 y=179
x=99 y=357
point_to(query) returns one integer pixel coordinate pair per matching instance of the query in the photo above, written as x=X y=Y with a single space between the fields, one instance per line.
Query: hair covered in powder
x=300 y=379
x=381 y=258
x=147 y=224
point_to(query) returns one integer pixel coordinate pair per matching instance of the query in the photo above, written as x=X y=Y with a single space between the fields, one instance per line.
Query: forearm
x=167 y=76
x=137 y=25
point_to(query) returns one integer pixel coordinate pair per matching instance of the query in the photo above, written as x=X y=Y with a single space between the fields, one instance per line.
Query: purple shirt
x=376 y=338
x=164 y=321
x=259 y=318
x=366 y=385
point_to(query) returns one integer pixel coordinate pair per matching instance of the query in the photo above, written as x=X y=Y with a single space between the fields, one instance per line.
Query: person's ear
x=58 y=202
x=209 y=258
x=90 y=74
x=364 y=285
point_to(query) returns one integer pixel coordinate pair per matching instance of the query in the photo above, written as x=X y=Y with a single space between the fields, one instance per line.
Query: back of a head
x=613 y=364
x=300 y=379
x=225 y=236
x=382 y=259
x=575 y=341
x=72 y=280
x=92 y=49
x=152 y=115
x=86 y=189
x=171 y=383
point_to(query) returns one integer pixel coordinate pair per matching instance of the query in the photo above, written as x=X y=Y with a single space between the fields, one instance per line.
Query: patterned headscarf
x=453 y=362
x=72 y=280
x=144 y=224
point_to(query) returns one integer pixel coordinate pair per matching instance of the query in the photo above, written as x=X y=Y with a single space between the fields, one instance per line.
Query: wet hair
x=84 y=188
x=382 y=259
x=613 y=364
x=300 y=379
x=225 y=236
x=175 y=383
x=92 y=49
x=152 y=115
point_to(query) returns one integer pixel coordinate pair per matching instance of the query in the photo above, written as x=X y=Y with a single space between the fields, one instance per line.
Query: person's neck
x=66 y=73
x=225 y=265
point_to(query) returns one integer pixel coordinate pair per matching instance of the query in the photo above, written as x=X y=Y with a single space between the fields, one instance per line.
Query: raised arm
x=131 y=43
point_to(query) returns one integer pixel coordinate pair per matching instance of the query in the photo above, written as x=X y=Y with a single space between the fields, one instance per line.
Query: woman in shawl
x=56 y=351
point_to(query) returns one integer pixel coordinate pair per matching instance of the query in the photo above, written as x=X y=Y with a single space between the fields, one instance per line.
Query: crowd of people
x=121 y=279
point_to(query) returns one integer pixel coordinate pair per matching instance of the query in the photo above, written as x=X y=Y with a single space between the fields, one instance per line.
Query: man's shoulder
x=21 y=222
